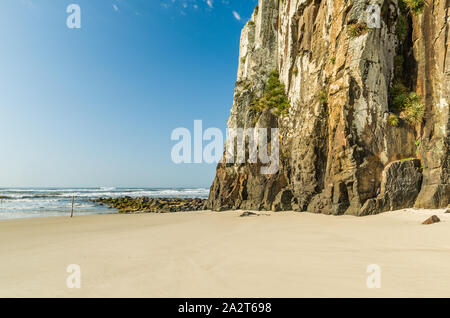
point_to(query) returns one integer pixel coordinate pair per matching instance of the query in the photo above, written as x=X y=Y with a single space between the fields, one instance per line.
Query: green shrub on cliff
x=408 y=104
x=398 y=93
x=415 y=6
x=323 y=98
x=401 y=30
x=403 y=101
x=414 y=109
x=274 y=97
x=393 y=120
x=357 y=29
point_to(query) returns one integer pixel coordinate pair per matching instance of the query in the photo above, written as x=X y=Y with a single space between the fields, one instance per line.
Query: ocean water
x=44 y=202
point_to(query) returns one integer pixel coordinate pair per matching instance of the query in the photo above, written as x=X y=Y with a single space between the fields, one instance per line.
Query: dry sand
x=206 y=254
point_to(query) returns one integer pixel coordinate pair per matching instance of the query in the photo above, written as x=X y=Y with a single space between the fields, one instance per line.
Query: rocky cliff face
x=346 y=146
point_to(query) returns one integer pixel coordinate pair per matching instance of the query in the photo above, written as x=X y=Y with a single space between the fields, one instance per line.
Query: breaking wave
x=42 y=202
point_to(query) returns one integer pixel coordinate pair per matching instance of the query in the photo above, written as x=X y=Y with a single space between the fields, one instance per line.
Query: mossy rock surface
x=152 y=205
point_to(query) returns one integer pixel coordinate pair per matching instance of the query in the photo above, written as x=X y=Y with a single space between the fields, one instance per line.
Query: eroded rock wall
x=431 y=40
x=336 y=140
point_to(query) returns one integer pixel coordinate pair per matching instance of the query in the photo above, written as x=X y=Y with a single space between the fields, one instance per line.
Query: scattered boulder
x=247 y=213
x=431 y=220
x=447 y=210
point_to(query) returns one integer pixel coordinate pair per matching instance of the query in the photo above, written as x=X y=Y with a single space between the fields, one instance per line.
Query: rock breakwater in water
x=152 y=205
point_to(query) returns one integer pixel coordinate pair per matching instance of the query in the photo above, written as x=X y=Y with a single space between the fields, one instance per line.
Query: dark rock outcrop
x=247 y=213
x=433 y=196
x=400 y=186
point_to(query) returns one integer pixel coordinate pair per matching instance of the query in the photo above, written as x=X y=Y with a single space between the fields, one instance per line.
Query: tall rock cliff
x=367 y=129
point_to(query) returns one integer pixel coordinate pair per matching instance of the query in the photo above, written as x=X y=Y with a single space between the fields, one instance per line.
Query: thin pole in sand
x=71 y=211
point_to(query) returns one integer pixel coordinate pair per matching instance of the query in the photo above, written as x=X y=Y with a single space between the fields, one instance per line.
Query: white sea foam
x=41 y=202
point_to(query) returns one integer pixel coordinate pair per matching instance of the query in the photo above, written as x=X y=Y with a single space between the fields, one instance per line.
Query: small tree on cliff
x=274 y=97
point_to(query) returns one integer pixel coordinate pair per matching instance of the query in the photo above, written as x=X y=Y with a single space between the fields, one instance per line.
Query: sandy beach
x=207 y=254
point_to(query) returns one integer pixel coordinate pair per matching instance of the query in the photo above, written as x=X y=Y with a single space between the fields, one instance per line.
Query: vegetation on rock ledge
x=357 y=29
x=415 y=6
x=393 y=120
x=404 y=102
x=323 y=98
x=401 y=29
x=408 y=104
x=413 y=109
x=274 y=97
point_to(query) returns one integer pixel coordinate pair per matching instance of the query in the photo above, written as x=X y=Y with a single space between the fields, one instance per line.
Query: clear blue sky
x=96 y=106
